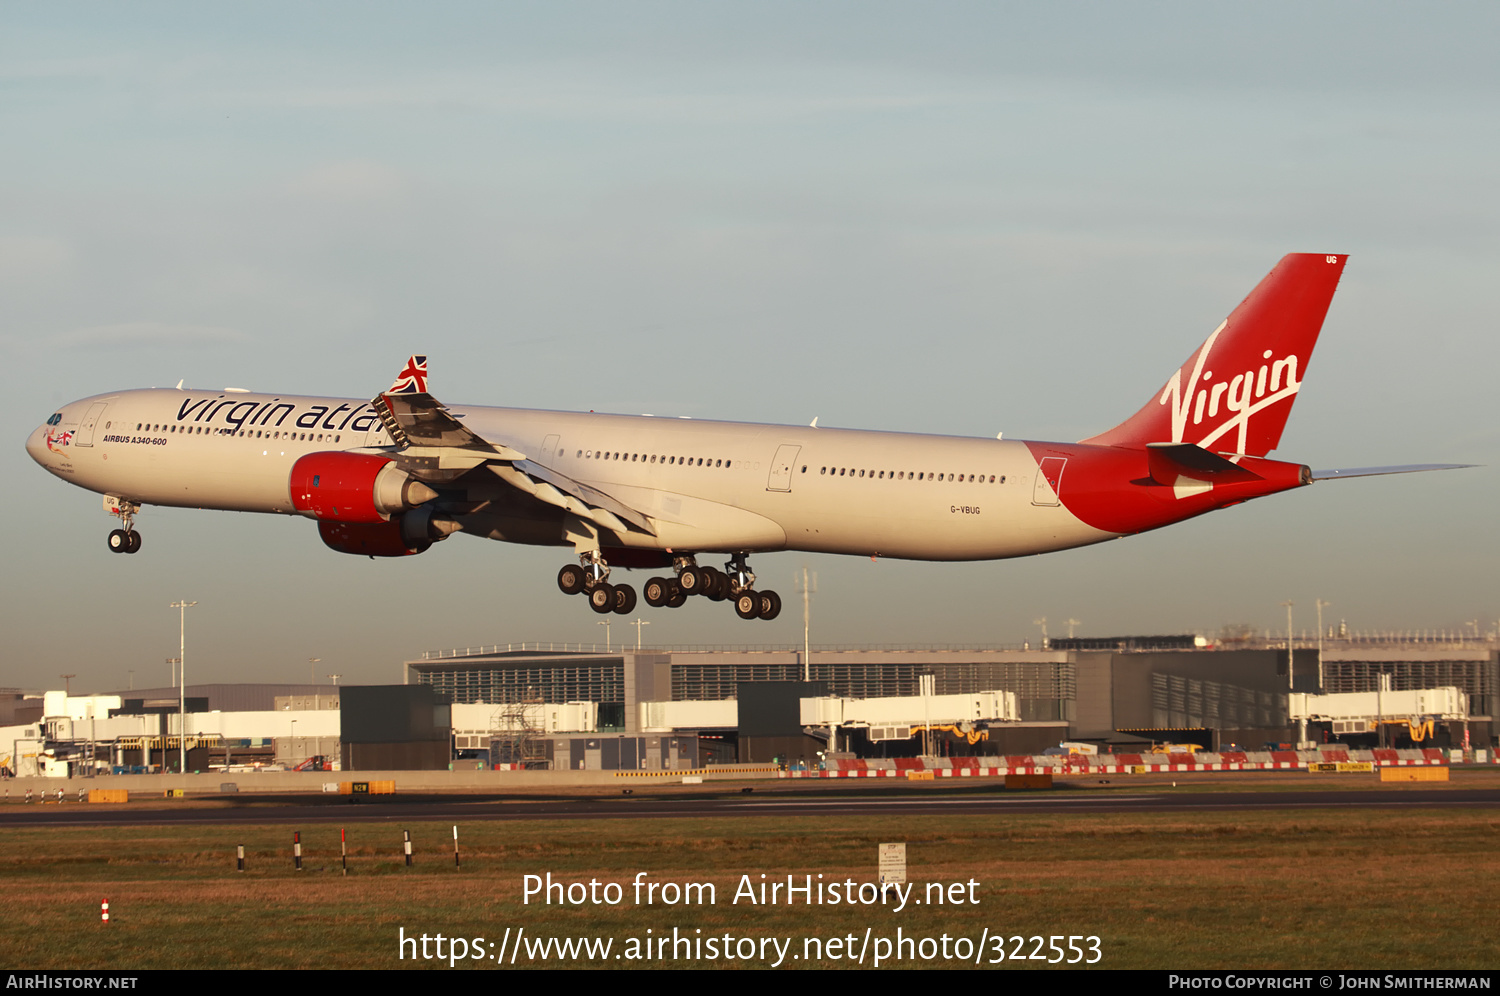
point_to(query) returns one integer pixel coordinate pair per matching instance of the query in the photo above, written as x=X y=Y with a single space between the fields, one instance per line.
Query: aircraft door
x=1048 y=481
x=85 y=434
x=377 y=435
x=549 y=449
x=781 y=467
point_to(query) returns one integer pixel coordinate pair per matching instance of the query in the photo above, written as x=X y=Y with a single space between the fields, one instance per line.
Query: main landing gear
x=125 y=540
x=735 y=583
x=591 y=578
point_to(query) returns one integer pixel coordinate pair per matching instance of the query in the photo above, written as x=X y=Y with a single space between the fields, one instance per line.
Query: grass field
x=1328 y=889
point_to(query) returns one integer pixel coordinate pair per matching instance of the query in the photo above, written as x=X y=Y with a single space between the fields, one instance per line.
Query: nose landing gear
x=125 y=540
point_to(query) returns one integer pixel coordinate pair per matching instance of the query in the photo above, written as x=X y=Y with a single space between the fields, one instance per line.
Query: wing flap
x=432 y=444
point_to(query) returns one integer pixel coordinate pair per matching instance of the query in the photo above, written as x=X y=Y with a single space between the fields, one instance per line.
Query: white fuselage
x=706 y=486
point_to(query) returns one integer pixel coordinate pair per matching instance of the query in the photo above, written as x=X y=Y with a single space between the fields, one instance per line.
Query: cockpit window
x=55 y=419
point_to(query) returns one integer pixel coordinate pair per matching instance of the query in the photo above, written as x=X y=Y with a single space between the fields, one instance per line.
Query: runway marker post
x=406 y=845
x=297 y=849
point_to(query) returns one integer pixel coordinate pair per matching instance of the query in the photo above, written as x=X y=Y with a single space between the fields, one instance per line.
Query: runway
x=722 y=804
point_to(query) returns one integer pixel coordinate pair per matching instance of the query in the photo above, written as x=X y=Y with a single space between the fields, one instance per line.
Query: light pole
x=1291 y=672
x=312 y=673
x=806 y=589
x=1042 y=622
x=638 y=623
x=172 y=663
x=605 y=624
x=1321 y=606
x=182 y=608
x=1288 y=643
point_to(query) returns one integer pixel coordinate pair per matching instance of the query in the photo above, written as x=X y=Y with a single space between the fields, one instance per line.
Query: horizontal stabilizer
x=1169 y=461
x=1410 y=468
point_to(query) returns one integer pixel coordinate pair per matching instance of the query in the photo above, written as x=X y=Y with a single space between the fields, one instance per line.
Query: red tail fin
x=1234 y=394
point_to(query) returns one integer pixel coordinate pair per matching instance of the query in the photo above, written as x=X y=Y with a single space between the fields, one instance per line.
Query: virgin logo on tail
x=1252 y=365
x=1239 y=396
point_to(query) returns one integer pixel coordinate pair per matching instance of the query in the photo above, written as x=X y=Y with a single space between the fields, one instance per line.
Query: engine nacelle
x=401 y=536
x=354 y=487
x=370 y=539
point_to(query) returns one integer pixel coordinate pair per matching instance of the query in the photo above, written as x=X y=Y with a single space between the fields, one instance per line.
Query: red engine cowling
x=353 y=487
x=370 y=539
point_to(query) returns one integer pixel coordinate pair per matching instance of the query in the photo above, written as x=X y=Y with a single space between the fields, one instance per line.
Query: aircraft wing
x=583 y=500
x=433 y=445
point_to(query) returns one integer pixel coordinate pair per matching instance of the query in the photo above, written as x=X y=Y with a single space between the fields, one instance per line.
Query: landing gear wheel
x=677 y=599
x=624 y=599
x=135 y=541
x=570 y=579
x=770 y=605
x=693 y=581
x=718 y=589
x=602 y=598
x=657 y=592
x=747 y=604
x=119 y=541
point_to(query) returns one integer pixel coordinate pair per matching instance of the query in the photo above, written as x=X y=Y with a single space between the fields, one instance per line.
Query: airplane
x=392 y=476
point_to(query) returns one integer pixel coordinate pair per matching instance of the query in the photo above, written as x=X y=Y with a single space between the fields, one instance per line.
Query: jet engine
x=401 y=536
x=354 y=487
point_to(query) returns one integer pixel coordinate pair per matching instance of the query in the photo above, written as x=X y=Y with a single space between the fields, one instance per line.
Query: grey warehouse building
x=1133 y=693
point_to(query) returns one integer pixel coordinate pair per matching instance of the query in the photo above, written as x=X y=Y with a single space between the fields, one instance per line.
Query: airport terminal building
x=570 y=707
x=1117 y=691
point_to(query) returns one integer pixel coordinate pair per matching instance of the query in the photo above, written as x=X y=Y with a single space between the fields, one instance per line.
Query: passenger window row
x=670 y=461
x=198 y=430
x=911 y=475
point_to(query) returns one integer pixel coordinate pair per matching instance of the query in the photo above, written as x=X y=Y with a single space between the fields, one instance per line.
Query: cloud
x=137 y=334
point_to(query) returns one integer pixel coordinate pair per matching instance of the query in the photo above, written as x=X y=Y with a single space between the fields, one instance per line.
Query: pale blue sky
x=958 y=218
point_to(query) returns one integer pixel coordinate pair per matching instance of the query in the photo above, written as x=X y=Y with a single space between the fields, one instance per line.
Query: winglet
x=412 y=379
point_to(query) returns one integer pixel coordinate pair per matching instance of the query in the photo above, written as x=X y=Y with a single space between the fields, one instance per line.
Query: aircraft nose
x=36 y=445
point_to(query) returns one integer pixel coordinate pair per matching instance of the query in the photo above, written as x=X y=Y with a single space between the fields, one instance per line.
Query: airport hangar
x=739 y=703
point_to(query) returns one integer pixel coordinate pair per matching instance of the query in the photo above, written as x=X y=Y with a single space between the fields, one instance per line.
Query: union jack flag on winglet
x=413 y=377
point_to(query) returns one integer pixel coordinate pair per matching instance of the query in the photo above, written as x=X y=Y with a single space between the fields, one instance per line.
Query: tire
x=691 y=581
x=747 y=604
x=770 y=605
x=657 y=591
x=570 y=579
x=119 y=542
x=624 y=599
x=135 y=541
x=677 y=599
x=718 y=589
x=602 y=598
